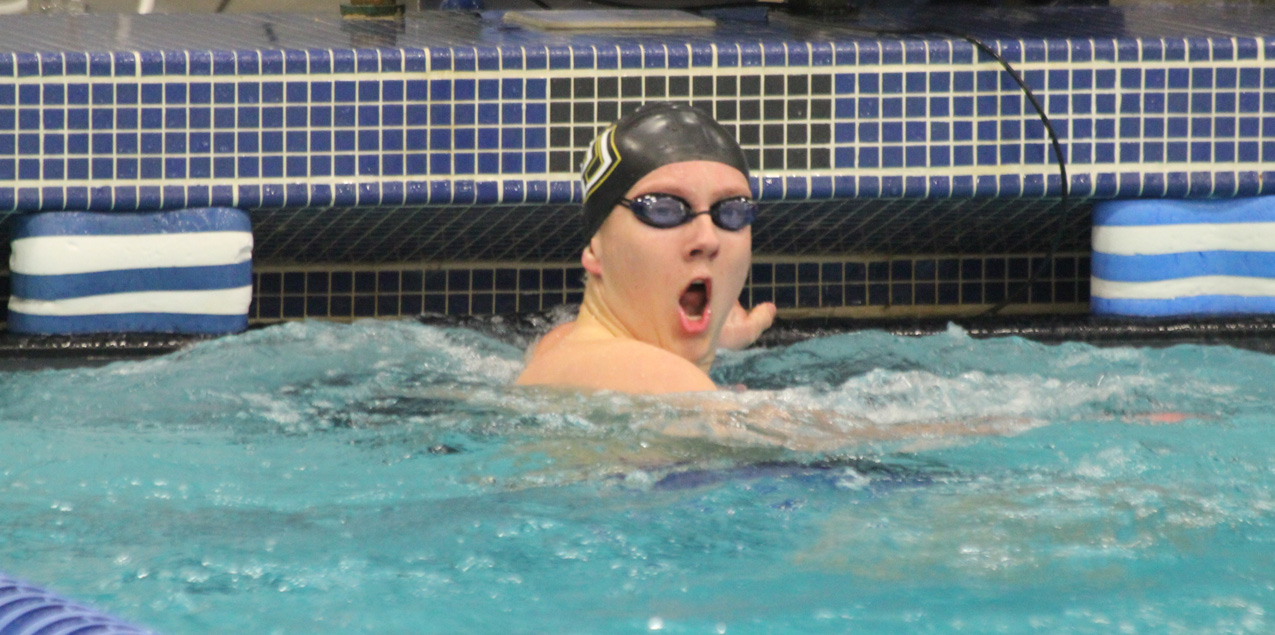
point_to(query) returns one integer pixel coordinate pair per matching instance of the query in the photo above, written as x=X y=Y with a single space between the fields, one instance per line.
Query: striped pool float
x=1173 y=257
x=187 y=271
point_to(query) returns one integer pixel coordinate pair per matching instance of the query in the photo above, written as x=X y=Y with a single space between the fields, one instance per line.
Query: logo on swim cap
x=600 y=160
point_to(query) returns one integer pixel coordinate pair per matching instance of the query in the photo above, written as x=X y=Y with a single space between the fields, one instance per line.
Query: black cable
x=1064 y=189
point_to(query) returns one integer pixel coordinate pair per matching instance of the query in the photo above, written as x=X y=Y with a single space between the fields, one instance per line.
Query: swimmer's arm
x=744 y=326
x=721 y=420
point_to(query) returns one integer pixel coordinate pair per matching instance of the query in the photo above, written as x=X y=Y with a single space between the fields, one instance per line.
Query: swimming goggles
x=666 y=211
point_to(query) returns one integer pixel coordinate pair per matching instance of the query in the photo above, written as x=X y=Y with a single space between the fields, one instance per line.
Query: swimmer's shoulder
x=614 y=364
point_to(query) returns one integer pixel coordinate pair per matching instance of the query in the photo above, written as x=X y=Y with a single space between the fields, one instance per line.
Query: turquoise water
x=384 y=478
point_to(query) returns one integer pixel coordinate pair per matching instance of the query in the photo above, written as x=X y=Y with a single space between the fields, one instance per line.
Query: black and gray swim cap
x=655 y=135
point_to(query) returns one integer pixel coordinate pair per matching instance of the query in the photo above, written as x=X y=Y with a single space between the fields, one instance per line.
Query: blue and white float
x=1184 y=258
x=186 y=271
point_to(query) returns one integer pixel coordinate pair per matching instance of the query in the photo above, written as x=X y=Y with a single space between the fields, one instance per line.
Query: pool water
x=383 y=477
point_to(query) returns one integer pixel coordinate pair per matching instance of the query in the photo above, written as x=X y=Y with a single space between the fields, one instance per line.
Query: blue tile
x=559 y=57
x=798 y=54
x=174 y=63
x=536 y=191
x=843 y=158
x=678 y=56
x=77 y=169
x=563 y=191
x=344 y=195
x=774 y=54
x=535 y=114
x=295 y=62
x=630 y=55
x=1249 y=152
x=701 y=54
x=75 y=63
x=1152 y=184
x=796 y=187
x=891 y=51
x=1105 y=185
x=50 y=64
x=320 y=61
x=272 y=62
x=1203 y=50
x=415 y=60
x=391 y=60
x=440 y=59
x=985 y=186
x=52 y=197
x=150 y=198
x=27 y=199
x=246 y=62
x=1202 y=184
x=1246 y=48
x=28 y=65
x=511 y=138
x=464 y=139
x=1225 y=78
x=464 y=58
x=487 y=58
x=911 y=186
x=940 y=156
x=1034 y=51
x=511 y=59
x=1248 y=184
x=918 y=51
x=435 y=163
x=892 y=83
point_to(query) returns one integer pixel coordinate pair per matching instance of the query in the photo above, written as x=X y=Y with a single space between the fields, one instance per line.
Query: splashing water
x=385 y=477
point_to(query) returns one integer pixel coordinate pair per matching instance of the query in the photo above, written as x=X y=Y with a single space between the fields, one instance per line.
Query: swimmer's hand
x=743 y=327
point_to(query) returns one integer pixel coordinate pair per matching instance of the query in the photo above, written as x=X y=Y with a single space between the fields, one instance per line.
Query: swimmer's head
x=654 y=136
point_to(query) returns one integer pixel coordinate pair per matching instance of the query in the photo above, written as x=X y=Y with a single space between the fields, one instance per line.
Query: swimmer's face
x=674 y=287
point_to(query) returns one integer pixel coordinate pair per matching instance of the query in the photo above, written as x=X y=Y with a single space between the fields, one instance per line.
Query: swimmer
x=667 y=209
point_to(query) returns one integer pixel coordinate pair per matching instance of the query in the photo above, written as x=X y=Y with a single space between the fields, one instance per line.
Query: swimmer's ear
x=589 y=258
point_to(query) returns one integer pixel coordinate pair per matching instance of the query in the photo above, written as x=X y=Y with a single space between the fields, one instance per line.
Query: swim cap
x=655 y=135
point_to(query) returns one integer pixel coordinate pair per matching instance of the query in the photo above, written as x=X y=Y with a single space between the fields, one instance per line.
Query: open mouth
x=694 y=300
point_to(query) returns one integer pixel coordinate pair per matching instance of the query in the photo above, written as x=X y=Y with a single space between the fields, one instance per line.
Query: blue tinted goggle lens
x=665 y=211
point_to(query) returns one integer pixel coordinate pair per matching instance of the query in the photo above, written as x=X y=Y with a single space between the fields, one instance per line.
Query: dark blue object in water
x=27 y=610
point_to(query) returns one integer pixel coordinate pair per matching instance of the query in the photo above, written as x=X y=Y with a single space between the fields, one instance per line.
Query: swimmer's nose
x=704 y=242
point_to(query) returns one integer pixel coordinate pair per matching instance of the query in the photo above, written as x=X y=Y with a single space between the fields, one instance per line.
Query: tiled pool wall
x=437 y=172
x=804 y=287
